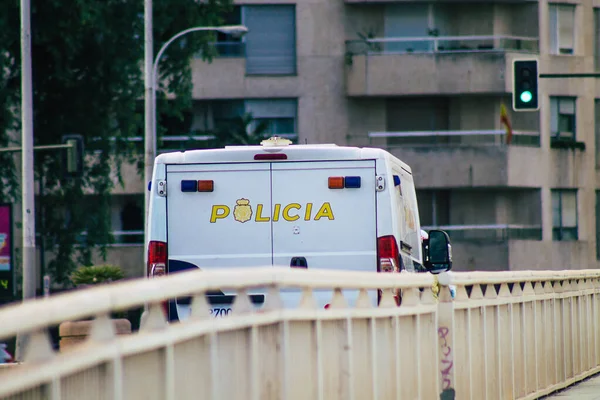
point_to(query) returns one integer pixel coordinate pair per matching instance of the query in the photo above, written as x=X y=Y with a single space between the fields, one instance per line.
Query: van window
x=408 y=212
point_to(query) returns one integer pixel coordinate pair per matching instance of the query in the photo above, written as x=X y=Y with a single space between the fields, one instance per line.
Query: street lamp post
x=150 y=131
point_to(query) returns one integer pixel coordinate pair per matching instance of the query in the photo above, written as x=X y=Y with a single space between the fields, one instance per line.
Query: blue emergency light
x=352 y=182
x=189 y=186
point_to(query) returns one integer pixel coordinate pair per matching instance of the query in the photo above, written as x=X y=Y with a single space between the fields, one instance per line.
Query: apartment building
x=426 y=80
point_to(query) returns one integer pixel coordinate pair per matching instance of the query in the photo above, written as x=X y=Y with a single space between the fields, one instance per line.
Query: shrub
x=96 y=274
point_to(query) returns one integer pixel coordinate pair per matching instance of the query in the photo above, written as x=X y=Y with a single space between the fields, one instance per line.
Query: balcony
x=433 y=64
x=491 y=247
x=490 y=233
x=466 y=158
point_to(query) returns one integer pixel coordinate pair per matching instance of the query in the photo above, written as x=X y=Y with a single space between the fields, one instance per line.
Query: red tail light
x=388 y=254
x=388 y=259
x=157 y=264
x=157 y=259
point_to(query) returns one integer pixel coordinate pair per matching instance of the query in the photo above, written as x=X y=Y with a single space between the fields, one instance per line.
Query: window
x=230 y=45
x=130 y=219
x=404 y=21
x=434 y=207
x=564 y=214
x=279 y=115
x=598 y=224
x=597 y=130
x=562 y=114
x=562 y=28
x=597 y=38
x=271 y=39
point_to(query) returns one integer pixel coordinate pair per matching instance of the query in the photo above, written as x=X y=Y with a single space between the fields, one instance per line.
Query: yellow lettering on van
x=324 y=211
x=286 y=212
x=307 y=212
x=218 y=212
x=259 y=216
x=276 y=212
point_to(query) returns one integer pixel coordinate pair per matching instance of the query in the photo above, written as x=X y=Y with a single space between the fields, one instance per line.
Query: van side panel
x=157 y=210
x=404 y=199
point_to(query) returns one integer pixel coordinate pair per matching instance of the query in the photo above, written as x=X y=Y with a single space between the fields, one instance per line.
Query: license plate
x=220 y=311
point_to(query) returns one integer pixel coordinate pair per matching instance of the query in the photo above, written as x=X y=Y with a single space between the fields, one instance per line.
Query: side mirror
x=438 y=254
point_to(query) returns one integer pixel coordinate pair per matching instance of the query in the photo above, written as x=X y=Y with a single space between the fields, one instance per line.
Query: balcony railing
x=498 y=232
x=443 y=44
x=121 y=238
x=182 y=142
x=185 y=142
x=481 y=137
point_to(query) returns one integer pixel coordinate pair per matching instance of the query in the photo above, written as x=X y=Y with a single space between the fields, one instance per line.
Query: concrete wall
x=422 y=74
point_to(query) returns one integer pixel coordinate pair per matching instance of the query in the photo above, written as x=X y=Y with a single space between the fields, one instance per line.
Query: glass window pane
x=271 y=39
x=553 y=114
x=566 y=124
x=569 y=209
x=284 y=125
x=553 y=8
x=569 y=234
x=556 y=209
x=566 y=26
x=566 y=106
x=597 y=38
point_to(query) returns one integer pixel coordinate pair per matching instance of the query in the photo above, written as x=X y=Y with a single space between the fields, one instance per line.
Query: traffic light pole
x=584 y=75
x=27 y=176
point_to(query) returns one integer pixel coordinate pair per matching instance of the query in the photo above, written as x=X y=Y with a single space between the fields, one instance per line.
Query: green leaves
x=88 y=79
x=96 y=274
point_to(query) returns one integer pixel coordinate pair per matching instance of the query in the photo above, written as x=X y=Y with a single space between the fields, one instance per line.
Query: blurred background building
x=425 y=81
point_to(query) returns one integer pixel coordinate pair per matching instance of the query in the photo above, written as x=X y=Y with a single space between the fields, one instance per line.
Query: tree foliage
x=88 y=79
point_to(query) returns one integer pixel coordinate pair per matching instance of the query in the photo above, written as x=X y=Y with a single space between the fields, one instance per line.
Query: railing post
x=445 y=331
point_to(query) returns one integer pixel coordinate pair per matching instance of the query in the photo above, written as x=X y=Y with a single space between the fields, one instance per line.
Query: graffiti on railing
x=447 y=362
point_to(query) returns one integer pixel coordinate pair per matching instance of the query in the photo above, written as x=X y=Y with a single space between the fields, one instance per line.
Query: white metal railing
x=444 y=44
x=458 y=137
x=510 y=335
x=500 y=232
x=122 y=238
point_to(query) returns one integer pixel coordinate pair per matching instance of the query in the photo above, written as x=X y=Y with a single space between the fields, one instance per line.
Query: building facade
x=426 y=81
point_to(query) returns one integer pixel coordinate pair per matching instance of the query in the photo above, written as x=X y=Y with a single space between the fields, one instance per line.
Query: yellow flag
x=506 y=122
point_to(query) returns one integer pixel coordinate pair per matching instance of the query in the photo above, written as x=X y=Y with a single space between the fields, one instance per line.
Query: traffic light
x=73 y=156
x=525 y=85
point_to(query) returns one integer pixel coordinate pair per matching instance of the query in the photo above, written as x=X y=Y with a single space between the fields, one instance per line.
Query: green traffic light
x=526 y=96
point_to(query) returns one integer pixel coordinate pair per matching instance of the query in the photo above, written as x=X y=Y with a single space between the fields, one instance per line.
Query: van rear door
x=217 y=229
x=318 y=227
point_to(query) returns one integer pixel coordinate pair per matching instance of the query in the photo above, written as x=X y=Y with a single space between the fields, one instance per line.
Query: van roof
x=294 y=152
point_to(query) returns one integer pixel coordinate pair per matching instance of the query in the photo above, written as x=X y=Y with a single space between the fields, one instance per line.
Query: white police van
x=298 y=206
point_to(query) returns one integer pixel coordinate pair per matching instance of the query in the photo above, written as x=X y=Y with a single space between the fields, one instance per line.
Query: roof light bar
x=270 y=156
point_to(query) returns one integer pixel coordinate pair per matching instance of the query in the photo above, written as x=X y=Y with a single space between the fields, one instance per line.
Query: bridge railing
x=512 y=335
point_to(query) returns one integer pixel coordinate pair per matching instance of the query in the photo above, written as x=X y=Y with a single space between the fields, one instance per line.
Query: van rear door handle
x=298 y=262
